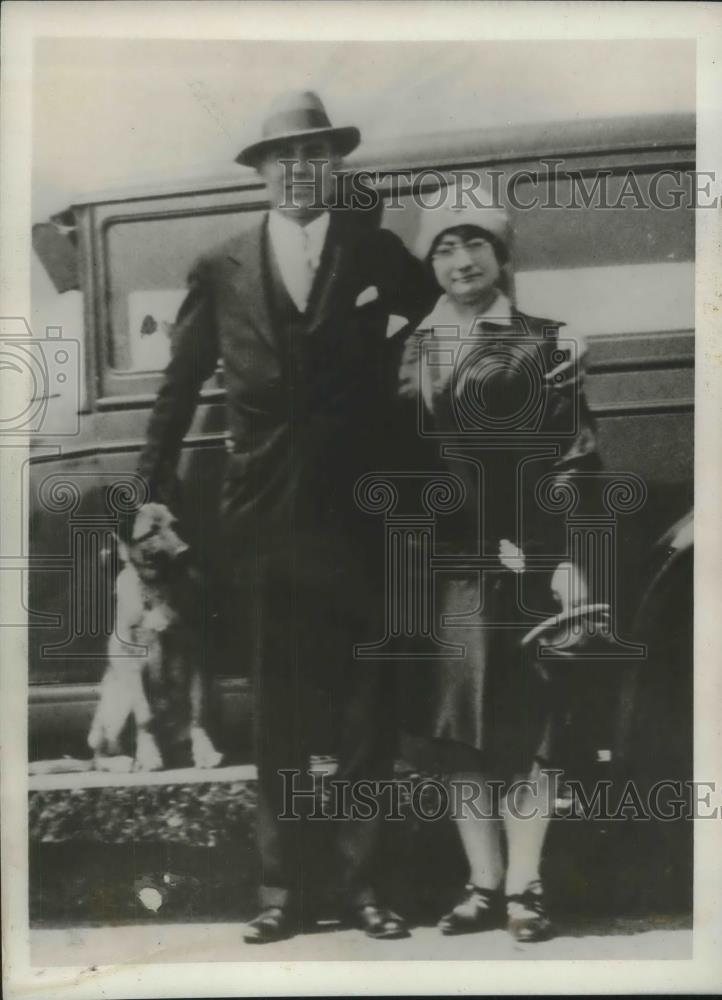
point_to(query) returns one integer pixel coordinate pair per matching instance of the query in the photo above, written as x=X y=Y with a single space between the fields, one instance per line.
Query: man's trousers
x=313 y=696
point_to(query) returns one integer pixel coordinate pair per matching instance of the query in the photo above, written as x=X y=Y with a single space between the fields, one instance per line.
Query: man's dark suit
x=307 y=409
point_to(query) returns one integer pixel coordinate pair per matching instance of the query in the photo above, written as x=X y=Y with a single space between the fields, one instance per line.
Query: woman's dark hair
x=469 y=232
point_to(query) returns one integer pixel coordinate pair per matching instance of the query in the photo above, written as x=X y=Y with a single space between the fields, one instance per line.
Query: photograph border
x=432 y=21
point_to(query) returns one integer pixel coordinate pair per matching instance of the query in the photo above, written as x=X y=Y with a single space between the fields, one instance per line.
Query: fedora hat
x=299 y=114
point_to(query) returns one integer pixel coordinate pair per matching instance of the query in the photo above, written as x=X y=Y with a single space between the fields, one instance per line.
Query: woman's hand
x=568 y=586
x=576 y=622
x=511 y=556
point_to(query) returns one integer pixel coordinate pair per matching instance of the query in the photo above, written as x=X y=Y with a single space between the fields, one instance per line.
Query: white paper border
x=369 y=20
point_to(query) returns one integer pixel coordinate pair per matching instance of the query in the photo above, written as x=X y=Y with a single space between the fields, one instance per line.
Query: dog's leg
x=116 y=689
x=147 y=754
x=202 y=749
x=114 y=706
x=131 y=613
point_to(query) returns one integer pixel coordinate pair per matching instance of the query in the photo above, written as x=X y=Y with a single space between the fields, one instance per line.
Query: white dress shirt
x=298 y=253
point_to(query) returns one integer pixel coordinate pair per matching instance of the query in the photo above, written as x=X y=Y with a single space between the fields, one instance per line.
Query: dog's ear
x=120 y=547
x=143 y=521
x=123 y=553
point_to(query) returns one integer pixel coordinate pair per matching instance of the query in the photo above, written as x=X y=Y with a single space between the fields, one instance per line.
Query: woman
x=497 y=404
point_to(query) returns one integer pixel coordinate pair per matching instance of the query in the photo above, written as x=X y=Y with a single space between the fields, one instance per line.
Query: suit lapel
x=249 y=254
x=333 y=274
x=332 y=279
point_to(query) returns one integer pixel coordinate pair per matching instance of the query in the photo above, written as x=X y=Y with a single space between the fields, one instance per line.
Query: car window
x=148 y=260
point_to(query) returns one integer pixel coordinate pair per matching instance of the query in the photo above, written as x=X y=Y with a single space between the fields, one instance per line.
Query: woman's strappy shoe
x=479 y=910
x=527 y=919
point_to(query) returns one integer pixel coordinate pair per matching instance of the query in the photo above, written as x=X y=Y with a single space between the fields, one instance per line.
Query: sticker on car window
x=151 y=314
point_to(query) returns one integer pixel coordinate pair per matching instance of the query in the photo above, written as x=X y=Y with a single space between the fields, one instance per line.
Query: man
x=298 y=309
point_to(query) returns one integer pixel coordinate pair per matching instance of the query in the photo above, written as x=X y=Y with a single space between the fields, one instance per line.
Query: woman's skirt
x=482 y=705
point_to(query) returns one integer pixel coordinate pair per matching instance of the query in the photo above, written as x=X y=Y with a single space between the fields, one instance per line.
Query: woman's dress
x=502 y=412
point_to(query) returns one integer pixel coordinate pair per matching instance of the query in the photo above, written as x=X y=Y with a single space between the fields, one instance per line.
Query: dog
x=154 y=674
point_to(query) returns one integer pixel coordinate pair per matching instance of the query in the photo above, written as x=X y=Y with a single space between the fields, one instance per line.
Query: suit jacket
x=307 y=412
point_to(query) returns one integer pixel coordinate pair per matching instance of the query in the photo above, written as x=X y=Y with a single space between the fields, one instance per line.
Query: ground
x=601 y=939
x=163 y=868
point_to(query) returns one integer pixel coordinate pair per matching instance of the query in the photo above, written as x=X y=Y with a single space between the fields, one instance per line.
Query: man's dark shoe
x=528 y=920
x=479 y=910
x=379 y=923
x=272 y=924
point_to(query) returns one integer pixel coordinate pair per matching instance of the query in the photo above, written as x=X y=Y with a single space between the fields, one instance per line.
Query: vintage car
x=620 y=273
